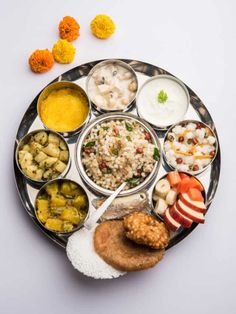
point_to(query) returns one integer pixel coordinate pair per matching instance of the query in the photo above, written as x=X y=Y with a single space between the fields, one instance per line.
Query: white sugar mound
x=80 y=251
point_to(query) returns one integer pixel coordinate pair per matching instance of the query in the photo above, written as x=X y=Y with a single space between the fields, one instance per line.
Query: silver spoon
x=91 y=222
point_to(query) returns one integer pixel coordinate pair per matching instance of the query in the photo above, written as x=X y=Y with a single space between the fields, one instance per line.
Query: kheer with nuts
x=112 y=86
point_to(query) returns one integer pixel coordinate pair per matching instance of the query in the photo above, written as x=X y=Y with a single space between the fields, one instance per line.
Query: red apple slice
x=171 y=223
x=197 y=206
x=189 y=212
x=179 y=217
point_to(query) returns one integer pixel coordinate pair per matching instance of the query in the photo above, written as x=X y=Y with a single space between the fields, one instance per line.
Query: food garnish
x=128 y=127
x=69 y=28
x=90 y=144
x=63 y=51
x=162 y=97
x=102 y=26
x=133 y=181
x=41 y=61
x=156 y=154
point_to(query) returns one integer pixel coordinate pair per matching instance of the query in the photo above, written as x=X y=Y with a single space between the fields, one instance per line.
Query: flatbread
x=111 y=244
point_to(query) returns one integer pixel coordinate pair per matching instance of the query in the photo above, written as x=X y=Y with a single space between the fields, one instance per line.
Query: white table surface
x=195 y=40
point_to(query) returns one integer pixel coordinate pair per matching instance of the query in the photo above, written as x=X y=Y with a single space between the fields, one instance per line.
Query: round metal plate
x=31 y=121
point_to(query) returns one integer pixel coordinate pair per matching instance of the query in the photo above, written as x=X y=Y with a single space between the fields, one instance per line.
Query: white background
x=194 y=40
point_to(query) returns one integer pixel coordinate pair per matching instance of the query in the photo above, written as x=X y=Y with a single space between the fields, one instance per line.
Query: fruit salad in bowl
x=179 y=199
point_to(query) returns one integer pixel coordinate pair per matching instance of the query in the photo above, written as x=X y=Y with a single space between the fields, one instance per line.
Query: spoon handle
x=90 y=223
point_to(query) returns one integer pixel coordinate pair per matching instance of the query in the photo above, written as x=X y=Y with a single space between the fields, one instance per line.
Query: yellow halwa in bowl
x=64 y=107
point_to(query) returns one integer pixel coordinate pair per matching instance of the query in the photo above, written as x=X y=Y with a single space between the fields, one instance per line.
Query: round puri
x=112 y=245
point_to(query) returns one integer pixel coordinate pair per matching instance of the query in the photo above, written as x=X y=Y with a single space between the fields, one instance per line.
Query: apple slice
x=171 y=223
x=195 y=195
x=179 y=217
x=189 y=212
x=195 y=205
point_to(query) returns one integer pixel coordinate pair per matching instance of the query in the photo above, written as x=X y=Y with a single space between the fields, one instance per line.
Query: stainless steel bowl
x=102 y=64
x=84 y=134
x=41 y=191
x=161 y=76
x=25 y=140
x=59 y=85
x=184 y=122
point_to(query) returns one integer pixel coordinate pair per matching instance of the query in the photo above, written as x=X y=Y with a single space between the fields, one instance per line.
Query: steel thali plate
x=31 y=121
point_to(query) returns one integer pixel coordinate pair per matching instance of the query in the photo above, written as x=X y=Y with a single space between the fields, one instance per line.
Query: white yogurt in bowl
x=162 y=101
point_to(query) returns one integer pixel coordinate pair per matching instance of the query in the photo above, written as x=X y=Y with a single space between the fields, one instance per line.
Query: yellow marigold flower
x=102 y=26
x=63 y=51
x=69 y=28
x=41 y=61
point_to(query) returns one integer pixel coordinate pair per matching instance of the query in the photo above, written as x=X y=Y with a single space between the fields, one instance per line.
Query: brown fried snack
x=144 y=229
x=117 y=250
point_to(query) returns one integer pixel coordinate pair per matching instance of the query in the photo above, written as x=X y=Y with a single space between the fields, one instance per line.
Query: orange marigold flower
x=41 y=61
x=69 y=28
